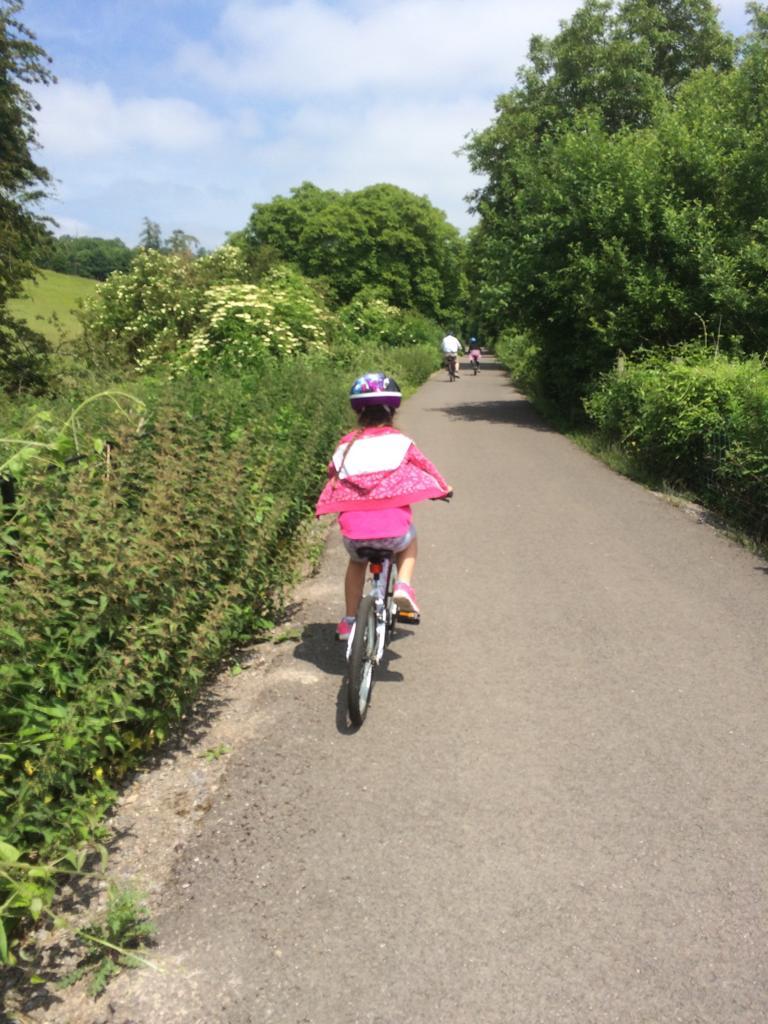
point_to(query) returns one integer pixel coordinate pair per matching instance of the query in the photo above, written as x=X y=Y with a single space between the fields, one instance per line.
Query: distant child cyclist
x=474 y=354
x=376 y=473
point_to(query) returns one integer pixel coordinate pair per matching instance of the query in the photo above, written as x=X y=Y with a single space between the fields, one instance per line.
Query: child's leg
x=353 y=585
x=406 y=562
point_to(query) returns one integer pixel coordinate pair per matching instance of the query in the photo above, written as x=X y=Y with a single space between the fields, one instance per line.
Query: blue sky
x=189 y=111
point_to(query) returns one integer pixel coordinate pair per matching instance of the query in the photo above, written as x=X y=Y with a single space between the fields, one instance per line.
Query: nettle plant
x=282 y=316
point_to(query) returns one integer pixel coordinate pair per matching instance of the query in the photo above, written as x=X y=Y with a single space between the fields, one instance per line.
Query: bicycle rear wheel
x=360 y=664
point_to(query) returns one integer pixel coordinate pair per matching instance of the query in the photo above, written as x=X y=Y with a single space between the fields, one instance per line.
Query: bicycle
x=474 y=362
x=374 y=624
x=451 y=364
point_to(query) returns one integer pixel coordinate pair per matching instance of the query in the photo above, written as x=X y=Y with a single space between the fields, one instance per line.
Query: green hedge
x=124 y=583
x=697 y=419
x=522 y=357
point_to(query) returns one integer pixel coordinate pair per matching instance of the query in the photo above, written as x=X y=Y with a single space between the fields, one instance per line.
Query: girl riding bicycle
x=474 y=354
x=376 y=473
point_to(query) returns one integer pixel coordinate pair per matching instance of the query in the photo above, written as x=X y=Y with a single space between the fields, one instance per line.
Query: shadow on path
x=319 y=647
x=512 y=410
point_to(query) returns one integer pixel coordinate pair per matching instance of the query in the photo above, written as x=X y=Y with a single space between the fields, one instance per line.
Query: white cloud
x=309 y=47
x=410 y=143
x=78 y=119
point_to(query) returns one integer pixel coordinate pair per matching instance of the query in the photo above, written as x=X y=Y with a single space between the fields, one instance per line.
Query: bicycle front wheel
x=360 y=664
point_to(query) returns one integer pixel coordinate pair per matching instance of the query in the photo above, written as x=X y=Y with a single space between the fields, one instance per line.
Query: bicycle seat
x=374 y=554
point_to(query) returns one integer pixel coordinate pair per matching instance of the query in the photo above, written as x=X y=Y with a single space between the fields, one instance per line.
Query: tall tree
x=181 y=244
x=580 y=238
x=151 y=236
x=381 y=236
x=23 y=183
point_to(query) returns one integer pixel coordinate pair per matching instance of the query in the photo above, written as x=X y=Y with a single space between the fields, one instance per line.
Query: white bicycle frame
x=378 y=590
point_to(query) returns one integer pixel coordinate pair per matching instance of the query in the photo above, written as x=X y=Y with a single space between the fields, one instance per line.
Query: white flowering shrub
x=141 y=315
x=241 y=323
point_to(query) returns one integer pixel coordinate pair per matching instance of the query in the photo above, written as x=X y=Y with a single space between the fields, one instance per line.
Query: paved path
x=556 y=810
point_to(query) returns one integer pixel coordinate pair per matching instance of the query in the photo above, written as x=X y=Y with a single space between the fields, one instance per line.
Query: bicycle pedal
x=413 y=618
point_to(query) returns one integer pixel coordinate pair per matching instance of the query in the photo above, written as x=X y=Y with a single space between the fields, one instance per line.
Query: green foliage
x=23 y=182
x=626 y=190
x=151 y=235
x=409 y=365
x=214 y=753
x=148 y=310
x=50 y=444
x=128 y=576
x=24 y=357
x=240 y=324
x=522 y=357
x=381 y=236
x=28 y=886
x=83 y=256
x=179 y=243
x=370 y=317
x=694 y=418
x=26 y=889
x=114 y=943
x=617 y=60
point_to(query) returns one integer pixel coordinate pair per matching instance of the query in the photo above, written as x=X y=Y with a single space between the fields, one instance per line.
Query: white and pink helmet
x=374 y=389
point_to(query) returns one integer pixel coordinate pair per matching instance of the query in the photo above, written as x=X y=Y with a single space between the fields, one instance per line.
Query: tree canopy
x=86 y=256
x=627 y=184
x=381 y=236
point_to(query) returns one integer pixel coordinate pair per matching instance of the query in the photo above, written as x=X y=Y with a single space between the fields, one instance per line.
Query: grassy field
x=49 y=302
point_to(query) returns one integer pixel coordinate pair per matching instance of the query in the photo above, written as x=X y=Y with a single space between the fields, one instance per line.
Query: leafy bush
x=241 y=323
x=153 y=566
x=370 y=316
x=410 y=366
x=24 y=357
x=144 y=313
x=126 y=576
x=697 y=419
x=522 y=356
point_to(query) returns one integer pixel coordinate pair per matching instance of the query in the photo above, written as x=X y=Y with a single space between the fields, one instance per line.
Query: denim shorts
x=396 y=544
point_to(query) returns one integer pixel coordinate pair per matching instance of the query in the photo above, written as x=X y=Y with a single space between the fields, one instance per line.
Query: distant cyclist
x=451 y=347
x=474 y=353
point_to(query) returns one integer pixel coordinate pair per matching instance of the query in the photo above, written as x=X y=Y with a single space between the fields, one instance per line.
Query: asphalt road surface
x=555 y=812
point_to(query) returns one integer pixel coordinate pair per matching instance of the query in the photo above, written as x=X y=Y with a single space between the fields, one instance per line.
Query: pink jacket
x=378 y=468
